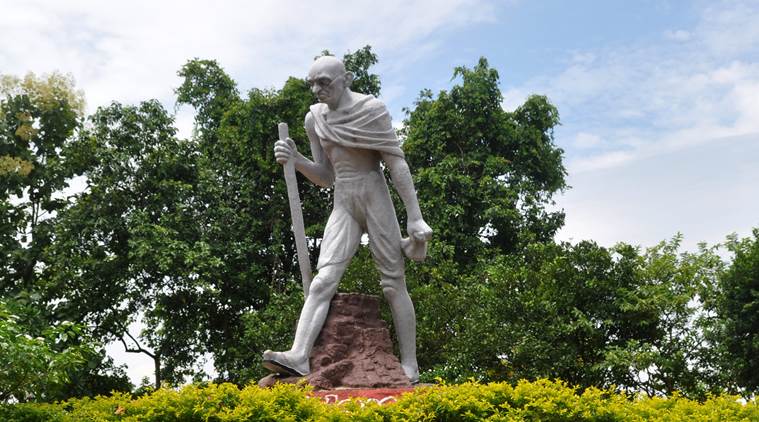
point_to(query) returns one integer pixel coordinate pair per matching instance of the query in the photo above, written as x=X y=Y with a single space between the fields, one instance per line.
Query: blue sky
x=659 y=100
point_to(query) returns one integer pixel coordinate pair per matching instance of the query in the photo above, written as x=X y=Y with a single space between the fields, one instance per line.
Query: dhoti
x=363 y=205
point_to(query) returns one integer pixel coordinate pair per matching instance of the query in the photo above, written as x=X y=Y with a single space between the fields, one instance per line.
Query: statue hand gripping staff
x=296 y=213
x=350 y=133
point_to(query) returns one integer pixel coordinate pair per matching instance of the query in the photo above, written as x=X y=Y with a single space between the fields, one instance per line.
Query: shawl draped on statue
x=366 y=124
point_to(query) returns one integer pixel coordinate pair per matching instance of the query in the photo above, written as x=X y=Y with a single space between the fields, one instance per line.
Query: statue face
x=327 y=80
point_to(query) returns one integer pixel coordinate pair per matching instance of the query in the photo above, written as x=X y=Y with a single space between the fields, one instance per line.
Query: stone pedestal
x=353 y=350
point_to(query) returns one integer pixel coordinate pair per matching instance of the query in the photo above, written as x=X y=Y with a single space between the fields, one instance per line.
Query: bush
x=540 y=400
x=32 y=366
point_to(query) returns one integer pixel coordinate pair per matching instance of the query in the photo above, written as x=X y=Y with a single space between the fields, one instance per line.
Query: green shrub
x=540 y=400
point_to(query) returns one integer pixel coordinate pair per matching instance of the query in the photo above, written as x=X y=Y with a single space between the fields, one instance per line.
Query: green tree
x=670 y=286
x=736 y=305
x=484 y=178
x=586 y=314
x=245 y=226
x=254 y=120
x=130 y=245
x=38 y=117
x=183 y=235
x=484 y=175
x=98 y=375
x=358 y=62
x=39 y=120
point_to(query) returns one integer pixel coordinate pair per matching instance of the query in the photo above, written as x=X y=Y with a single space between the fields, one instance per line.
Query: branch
x=139 y=348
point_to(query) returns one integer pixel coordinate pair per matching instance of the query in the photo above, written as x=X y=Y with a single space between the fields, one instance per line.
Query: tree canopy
x=192 y=238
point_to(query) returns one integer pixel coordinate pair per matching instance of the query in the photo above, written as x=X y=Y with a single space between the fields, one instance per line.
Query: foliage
x=484 y=175
x=38 y=116
x=587 y=314
x=244 y=227
x=130 y=243
x=192 y=237
x=358 y=63
x=736 y=307
x=671 y=289
x=184 y=234
x=98 y=375
x=39 y=120
x=525 y=401
x=31 y=363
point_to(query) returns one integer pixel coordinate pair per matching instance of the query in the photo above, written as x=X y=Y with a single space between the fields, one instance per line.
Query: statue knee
x=322 y=288
x=392 y=288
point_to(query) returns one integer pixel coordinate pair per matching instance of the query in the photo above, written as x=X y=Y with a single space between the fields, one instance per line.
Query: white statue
x=350 y=133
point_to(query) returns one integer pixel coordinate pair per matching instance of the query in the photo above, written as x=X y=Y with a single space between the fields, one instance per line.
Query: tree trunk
x=157 y=363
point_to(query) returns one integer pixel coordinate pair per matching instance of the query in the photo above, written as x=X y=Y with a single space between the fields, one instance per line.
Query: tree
x=358 y=63
x=39 y=120
x=484 y=175
x=38 y=116
x=183 y=234
x=238 y=143
x=244 y=226
x=98 y=375
x=671 y=287
x=589 y=315
x=736 y=305
x=130 y=244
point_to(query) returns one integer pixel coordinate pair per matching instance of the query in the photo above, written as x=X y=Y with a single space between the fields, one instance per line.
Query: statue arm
x=319 y=171
x=401 y=176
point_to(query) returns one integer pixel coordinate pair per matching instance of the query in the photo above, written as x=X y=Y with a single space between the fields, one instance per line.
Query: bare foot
x=412 y=372
x=285 y=362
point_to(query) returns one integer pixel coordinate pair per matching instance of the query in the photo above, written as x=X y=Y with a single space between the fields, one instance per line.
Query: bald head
x=329 y=64
x=329 y=81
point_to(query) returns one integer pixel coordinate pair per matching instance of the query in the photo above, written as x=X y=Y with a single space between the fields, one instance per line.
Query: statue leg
x=385 y=244
x=312 y=317
x=314 y=311
x=404 y=321
x=341 y=238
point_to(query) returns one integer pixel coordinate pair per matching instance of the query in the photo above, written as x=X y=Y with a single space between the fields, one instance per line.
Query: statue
x=350 y=133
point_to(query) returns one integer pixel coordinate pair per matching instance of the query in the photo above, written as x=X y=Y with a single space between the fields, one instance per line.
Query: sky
x=659 y=100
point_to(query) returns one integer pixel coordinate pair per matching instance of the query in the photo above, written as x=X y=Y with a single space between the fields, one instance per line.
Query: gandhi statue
x=350 y=133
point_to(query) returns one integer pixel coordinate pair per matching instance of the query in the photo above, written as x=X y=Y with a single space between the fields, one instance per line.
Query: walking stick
x=297 y=215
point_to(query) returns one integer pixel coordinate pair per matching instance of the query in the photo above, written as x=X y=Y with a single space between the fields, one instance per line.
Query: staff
x=297 y=215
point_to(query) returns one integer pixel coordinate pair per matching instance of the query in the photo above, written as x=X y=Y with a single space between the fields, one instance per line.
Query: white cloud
x=661 y=137
x=131 y=51
x=647 y=99
x=704 y=192
x=678 y=35
x=513 y=98
x=730 y=27
x=584 y=140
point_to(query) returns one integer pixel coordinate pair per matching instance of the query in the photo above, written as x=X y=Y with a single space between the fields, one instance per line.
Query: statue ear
x=348 y=79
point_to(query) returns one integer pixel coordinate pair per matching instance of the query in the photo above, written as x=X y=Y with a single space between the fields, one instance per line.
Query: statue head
x=329 y=81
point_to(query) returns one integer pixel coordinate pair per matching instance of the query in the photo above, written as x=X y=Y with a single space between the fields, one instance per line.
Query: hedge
x=540 y=400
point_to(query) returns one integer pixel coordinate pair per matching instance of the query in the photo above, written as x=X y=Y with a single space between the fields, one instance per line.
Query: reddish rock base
x=353 y=350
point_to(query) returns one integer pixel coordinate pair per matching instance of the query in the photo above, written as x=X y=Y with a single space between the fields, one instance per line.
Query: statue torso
x=348 y=163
